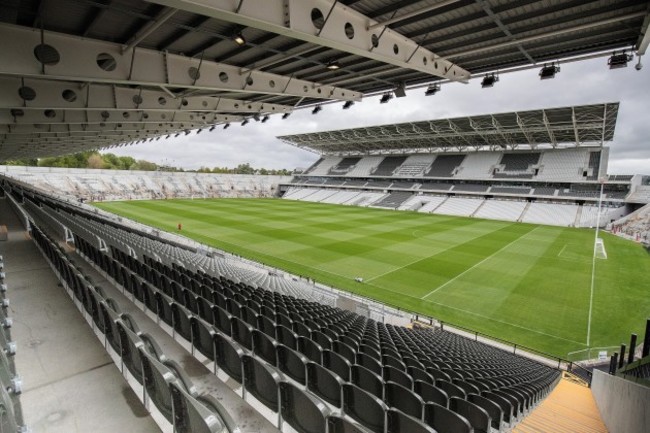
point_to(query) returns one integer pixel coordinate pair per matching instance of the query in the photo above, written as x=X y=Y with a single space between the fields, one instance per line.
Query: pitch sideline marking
x=562 y=250
x=478 y=264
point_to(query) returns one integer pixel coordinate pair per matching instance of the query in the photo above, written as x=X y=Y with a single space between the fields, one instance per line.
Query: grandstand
x=551 y=174
x=123 y=327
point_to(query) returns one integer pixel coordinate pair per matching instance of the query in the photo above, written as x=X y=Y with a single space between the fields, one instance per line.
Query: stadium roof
x=82 y=74
x=585 y=125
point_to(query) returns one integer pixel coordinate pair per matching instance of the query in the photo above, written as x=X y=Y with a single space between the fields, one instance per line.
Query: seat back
x=337 y=363
x=399 y=397
x=190 y=416
x=229 y=356
x=367 y=380
x=292 y=363
x=478 y=418
x=430 y=393
x=265 y=347
x=302 y=411
x=324 y=383
x=399 y=422
x=261 y=381
x=364 y=407
x=492 y=408
x=445 y=420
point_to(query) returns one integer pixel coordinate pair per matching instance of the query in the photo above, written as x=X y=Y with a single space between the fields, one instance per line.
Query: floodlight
x=432 y=90
x=226 y=126
x=385 y=98
x=286 y=115
x=489 y=80
x=316 y=109
x=265 y=119
x=348 y=104
x=548 y=71
x=619 y=60
x=238 y=38
x=245 y=122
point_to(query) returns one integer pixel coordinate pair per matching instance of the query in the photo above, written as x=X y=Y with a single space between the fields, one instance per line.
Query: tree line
x=109 y=161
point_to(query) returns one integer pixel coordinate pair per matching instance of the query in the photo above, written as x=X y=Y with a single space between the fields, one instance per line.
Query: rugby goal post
x=600 y=249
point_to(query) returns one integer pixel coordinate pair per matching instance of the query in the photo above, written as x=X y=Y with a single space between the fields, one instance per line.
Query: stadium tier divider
x=265 y=341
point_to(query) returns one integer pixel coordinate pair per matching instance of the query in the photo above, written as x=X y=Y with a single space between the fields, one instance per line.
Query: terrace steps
x=570 y=408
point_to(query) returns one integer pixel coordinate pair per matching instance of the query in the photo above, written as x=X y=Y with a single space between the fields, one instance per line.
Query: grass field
x=529 y=284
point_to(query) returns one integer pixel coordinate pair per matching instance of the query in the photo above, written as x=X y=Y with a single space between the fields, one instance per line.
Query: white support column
x=345 y=29
x=103 y=62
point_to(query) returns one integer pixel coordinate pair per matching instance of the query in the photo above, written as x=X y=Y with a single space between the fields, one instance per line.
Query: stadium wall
x=623 y=405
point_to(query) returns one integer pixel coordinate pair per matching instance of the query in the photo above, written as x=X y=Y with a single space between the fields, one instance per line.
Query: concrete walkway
x=570 y=408
x=70 y=383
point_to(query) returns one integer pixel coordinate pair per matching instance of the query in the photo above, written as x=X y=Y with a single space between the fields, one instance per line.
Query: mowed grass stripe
x=534 y=292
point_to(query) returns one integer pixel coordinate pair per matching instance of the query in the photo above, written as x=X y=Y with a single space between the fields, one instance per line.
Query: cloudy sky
x=579 y=83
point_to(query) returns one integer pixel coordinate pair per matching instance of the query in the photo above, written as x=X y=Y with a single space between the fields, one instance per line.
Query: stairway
x=570 y=408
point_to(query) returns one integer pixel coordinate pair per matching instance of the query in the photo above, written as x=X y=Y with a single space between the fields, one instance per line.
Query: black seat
x=419 y=374
x=302 y=411
x=339 y=424
x=130 y=343
x=191 y=416
x=430 y=393
x=310 y=349
x=205 y=310
x=203 y=338
x=324 y=383
x=229 y=356
x=242 y=332
x=323 y=340
x=399 y=422
x=292 y=363
x=182 y=321
x=364 y=407
x=398 y=376
x=367 y=380
x=262 y=382
x=504 y=404
x=494 y=411
x=345 y=351
x=369 y=362
x=451 y=389
x=337 y=363
x=265 y=347
x=266 y=325
x=478 y=418
x=399 y=397
x=286 y=336
x=445 y=420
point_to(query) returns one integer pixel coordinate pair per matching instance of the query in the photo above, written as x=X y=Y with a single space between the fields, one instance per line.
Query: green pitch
x=529 y=284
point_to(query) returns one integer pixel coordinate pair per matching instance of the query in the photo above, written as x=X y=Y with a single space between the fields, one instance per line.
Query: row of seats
x=11 y=416
x=164 y=382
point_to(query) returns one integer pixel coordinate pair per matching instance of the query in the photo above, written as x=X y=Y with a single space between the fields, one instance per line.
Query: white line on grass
x=478 y=264
x=562 y=250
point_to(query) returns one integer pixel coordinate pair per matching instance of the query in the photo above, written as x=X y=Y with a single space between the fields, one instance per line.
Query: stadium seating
x=291 y=354
x=478 y=165
x=551 y=214
x=508 y=210
x=459 y=206
x=445 y=165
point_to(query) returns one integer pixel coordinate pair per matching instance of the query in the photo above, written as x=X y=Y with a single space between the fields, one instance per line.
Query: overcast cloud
x=587 y=82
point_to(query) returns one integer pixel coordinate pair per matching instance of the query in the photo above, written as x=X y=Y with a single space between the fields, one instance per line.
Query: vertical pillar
x=646 y=340
x=621 y=360
x=612 y=363
x=630 y=358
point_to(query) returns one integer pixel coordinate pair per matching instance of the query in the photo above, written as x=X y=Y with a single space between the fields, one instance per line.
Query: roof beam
x=502 y=27
x=644 y=37
x=345 y=30
x=60 y=95
x=178 y=34
x=149 y=28
x=412 y=14
x=575 y=125
x=103 y=62
x=551 y=135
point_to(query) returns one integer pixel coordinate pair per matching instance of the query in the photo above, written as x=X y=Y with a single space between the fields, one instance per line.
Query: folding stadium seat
x=182 y=321
x=418 y=374
x=339 y=424
x=284 y=320
x=466 y=386
x=203 y=335
x=431 y=393
x=233 y=307
x=337 y=364
x=402 y=398
x=364 y=407
x=164 y=308
x=222 y=320
x=292 y=363
x=352 y=342
x=249 y=316
x=493 y=410
x=266 y=325
x=109 y=318
x=325 y=384
x=198 y=415
x=190 y=301
x=262 y=382
x=149 y=294
x=310 y=349
x=286 y=336
x=331 y=334
x=265 y=347
x=157 y=379
x=445 y=420
x=398 y=376
x=478 y=418
x=399 y=422
x=505 y=404
x=229 y=356
x=302 y=411
x=369 y=362
x=370 y=351
x=367 y=380
x=242 y=332
x=130 y=344
x=219 y=299
x=301 y=329
x=204 y=310
x=323 y=340
x=517 y=406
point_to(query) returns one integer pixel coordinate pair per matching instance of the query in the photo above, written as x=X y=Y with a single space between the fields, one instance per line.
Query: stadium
x=475 y=273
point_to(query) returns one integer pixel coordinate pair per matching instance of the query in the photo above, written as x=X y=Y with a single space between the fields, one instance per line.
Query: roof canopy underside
x=585 y=125
x=87 y=74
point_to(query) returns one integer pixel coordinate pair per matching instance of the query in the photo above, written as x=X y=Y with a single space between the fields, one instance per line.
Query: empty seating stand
x=317 y=367
x=445 y=166
x=517 y=165
x=394 y=199
x=345 y=165
x=388 y=165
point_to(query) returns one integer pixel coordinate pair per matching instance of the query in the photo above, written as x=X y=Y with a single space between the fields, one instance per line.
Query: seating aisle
x=569 y=408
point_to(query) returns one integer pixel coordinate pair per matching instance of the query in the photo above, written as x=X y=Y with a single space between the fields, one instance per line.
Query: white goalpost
x=599 y=249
